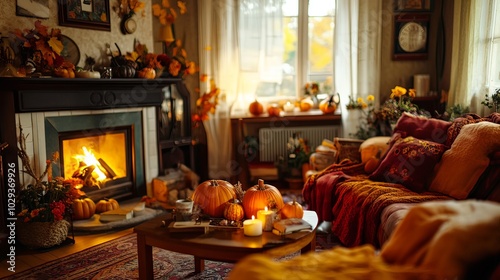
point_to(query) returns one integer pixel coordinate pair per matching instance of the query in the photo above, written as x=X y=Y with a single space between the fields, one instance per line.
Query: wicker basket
x=42 y=234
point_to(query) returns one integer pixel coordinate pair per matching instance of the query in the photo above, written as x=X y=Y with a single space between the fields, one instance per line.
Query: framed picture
x=412 y=5
x=411 y=36
x=89 y=14
x=33 y=8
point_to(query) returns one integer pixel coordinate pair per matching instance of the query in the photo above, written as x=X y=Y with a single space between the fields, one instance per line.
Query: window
x=494 y=67
x=284 y=45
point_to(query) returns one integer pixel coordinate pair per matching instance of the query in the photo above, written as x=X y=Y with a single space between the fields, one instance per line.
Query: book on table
x=188 y=226
x=118 y=214
x=286 y=226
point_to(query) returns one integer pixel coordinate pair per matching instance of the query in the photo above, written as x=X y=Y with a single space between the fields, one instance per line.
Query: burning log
x=85 y=174
x=110 y=173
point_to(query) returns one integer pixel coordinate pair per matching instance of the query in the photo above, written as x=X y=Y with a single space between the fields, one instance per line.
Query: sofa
x=424 y=160
x=451 y=239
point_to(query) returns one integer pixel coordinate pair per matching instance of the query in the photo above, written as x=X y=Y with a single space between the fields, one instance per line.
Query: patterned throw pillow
x=410 y=162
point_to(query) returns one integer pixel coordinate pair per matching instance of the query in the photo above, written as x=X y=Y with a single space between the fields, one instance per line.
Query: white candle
x=267 y=218
x=252 y=227
x=288 y=107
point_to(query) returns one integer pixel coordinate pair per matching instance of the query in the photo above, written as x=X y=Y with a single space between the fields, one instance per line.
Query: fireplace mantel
x=23 y=95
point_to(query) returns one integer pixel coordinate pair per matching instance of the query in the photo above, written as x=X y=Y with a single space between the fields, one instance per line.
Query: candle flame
x=253 y=217
x=265 y=208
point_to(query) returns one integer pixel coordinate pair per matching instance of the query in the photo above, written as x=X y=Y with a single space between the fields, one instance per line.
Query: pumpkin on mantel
x=260 y=196
x=106 y=204
x=212 y=196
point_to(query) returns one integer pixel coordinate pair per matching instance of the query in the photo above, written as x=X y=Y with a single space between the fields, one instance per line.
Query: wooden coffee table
x=226 y=245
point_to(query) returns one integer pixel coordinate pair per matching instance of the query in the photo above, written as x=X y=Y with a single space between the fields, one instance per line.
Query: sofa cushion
x=468 y=157
x=409 y=162
x=371 y=146
x=434 y=130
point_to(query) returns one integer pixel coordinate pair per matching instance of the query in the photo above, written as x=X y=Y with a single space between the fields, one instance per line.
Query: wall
x=90 y=42
x=401 y=72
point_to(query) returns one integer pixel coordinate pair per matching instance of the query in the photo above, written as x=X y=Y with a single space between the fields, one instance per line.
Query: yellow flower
x=412 y=93
x=398 y=91
x=370 y=98
x=360 y=100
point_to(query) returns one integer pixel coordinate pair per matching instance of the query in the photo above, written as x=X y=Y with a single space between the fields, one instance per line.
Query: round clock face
x=412 y=37
x=130 y=26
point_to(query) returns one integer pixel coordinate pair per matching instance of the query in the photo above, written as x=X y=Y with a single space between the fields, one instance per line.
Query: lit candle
x=252 y=227
x=288 y=107
x=267 y=218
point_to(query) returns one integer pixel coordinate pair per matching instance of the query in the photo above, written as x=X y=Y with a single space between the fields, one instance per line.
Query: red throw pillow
x=410 y=162
x=422 y=128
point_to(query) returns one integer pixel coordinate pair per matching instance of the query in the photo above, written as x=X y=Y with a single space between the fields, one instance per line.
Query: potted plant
x=45 y=205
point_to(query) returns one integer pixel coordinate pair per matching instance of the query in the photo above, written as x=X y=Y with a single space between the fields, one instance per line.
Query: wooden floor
x=26 y=259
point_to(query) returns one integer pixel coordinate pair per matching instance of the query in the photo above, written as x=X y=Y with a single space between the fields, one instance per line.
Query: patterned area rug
x=117 y=259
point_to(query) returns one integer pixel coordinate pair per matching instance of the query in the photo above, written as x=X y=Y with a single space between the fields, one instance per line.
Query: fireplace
x=105 y=151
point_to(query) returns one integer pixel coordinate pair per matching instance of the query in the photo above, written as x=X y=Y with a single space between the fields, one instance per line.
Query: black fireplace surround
x=20 y=95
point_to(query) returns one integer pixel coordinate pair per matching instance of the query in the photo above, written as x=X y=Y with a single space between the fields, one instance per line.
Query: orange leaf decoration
x=56 y=45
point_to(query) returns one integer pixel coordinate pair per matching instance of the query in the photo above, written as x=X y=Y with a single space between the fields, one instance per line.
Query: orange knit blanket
x=359 y=204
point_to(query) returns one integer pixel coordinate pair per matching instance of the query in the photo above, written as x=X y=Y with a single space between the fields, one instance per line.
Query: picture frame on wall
x=33 y=8
x=412 y=5
x=411 y=36
x=88 y=14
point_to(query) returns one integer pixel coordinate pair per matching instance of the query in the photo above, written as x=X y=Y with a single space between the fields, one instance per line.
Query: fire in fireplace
x=99 y=161
x=104 y=150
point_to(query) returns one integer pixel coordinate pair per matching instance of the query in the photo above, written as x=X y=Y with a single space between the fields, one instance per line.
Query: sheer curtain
x=219 y=59
x=219 y=24
x=472 y=28
x=358 y=25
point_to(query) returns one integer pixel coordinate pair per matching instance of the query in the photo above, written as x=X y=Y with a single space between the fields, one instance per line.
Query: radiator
x=273 y=141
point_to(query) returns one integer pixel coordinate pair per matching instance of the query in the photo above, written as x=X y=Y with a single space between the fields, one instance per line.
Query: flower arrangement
x=359 y=103
x=378 y=121
x=494 y=103
x=41 y=51
x=206 y=103
x=45 y=201
x=128 y=7
x=311 y=89
x=298 y=152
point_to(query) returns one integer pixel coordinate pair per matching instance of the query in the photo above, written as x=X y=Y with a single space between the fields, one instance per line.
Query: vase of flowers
x=298 y=154
x=45 y=205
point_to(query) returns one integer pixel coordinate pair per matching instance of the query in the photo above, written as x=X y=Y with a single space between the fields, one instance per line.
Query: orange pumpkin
x=328 y=105
x=306 y=104
x=274 y=110
x=292 y=209
x=147 y=73
x=83 y=208
x=260 y=196
x=234 y=211
x=212 y=196
x=256 y=108
x=106 y=204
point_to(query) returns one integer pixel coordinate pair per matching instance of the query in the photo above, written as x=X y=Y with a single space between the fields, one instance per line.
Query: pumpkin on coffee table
x=106 y=204
x=233 y=211
x=260 y=196
x=292 y=209
x=212 y=195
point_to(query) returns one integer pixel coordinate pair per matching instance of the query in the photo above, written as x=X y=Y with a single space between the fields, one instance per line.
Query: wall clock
x=411 y=36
